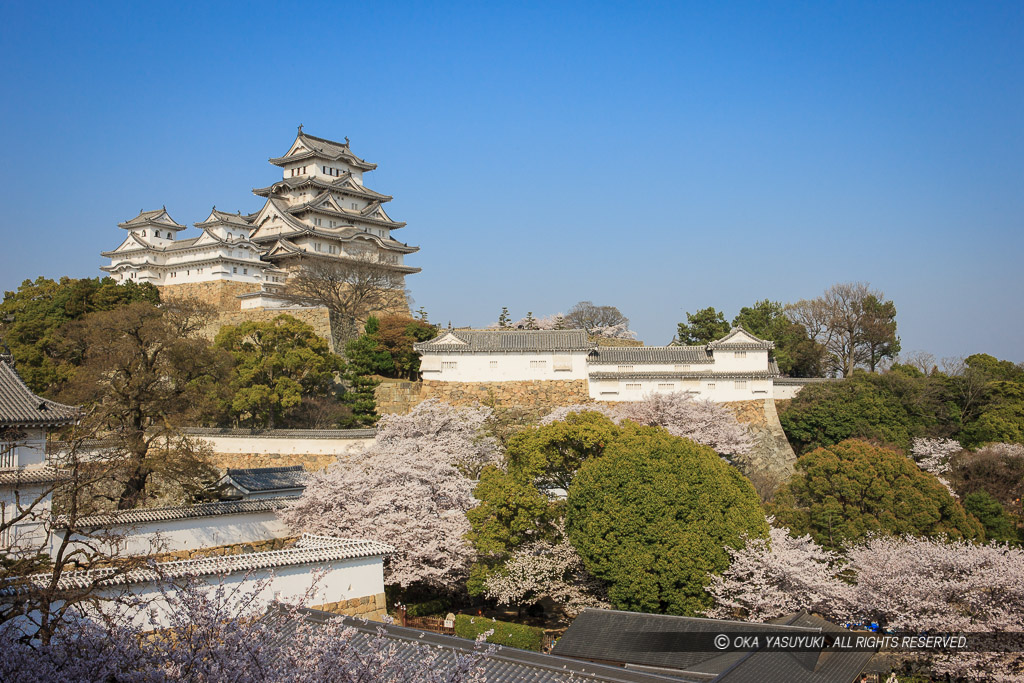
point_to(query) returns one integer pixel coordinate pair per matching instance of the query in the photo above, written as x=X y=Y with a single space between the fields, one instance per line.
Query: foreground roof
x=647 y=640
x=19 y=407
x=309 y=549
x=164 y=514
x=504 y=665
x=469 y=341
x=266 y=479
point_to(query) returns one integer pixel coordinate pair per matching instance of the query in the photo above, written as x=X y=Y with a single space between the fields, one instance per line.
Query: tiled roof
x=284 y=433
x=468 y=341
x=266 y=479
x=20 y=476
x=727 y=341
x=506 y=665
x=801 y=381
x=157 y=217
x=342 y=185
x=328 y=149
x=19 y=407
x=164 y=514
x=309 y=549
x=683 y=374
x=216 y=217
x=610 y=355
x=653 y=640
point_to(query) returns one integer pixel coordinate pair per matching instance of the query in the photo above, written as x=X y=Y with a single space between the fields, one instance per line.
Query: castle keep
x=320 y=211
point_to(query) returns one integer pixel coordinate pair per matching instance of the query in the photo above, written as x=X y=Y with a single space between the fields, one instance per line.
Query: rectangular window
x=354 y=205
x=494 y=365
x=538 y=365
x=740 y=384
x=625 y=368
x=234 y=269
x=666 y=387
x=449 y=365
x=632 y=386
x=245 y=271
x=7 y=457
x=563 y=363
x=711 y=385
x=740 y=354
x=682 y=367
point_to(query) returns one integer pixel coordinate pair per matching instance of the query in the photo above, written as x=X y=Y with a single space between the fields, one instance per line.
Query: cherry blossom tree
x=707 y=423
x=409 y=489
x=229 y=639
x=545 y=569
x=922 y=584
x=932 y=455
x=771 y=577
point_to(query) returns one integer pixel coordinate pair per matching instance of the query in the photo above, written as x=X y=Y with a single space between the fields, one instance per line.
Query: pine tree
x=504 y=318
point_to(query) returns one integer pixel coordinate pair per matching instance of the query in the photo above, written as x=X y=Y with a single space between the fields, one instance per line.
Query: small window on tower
x=156 y=234
x=245 y=271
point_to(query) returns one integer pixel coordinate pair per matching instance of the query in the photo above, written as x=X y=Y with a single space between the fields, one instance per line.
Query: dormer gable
x=739 y=338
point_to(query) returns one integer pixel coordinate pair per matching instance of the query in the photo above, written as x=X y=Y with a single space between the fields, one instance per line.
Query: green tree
x=515 y=506
x=277 y=364
x=878 y=334
x=1001 y=417
x=364 y=359
x=652 y=517
x=396 y=335
x=796 y=353
x=825 y=414
x=843 y=492
x=704 y=326
x=550 y=455
x=504 y=318
x=31 y=318
x=142 y=373
x=995 y=369
x=989 y=511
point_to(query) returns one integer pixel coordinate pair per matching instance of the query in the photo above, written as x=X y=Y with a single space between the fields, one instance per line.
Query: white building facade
x=738 y=367
x=26 y=477
x=320 y=209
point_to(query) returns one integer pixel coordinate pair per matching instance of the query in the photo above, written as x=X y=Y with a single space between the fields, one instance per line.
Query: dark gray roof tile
x=467 y=341
x=19 y=407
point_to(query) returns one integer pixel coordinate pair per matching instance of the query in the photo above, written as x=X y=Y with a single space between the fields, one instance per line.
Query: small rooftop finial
x=346 y=141
x=165 y=207
x=300 y=129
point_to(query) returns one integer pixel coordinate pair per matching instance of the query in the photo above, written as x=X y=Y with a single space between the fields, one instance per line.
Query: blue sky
x=660 y=157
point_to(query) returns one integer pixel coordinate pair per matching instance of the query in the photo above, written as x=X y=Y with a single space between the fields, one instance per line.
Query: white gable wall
x=509 y=366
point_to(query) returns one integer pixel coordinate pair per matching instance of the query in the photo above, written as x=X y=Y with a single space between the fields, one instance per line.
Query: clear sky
x=660 y=157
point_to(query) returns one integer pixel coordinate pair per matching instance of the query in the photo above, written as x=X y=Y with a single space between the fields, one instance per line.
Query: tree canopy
x=277 y=364
x=706 y=325
x=653 y=515
x=31 y=317
x=795 y=352
x=843 y=492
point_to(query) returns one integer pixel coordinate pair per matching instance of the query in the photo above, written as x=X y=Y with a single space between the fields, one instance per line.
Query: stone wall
x=311 y=461
x=221 y=294
x=770 y=462
x=400 y=397
x=371 y=607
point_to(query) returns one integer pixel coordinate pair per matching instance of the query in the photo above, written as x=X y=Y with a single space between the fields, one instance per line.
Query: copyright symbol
x=721 y=641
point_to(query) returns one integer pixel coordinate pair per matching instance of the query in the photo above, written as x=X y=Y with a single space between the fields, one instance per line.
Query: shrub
x=428 y=608
x=842 y=493
x=505 y=633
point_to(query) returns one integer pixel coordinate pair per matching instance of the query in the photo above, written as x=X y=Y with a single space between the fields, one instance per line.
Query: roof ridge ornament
x=300 y=129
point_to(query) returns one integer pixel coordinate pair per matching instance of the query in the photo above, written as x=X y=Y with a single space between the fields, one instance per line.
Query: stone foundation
x=241 y=461
x=400 y=397
x=371 y=607
x=221 y=294
x=770 y=462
